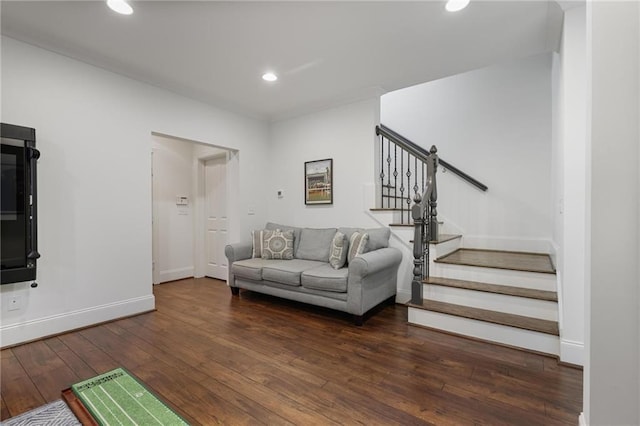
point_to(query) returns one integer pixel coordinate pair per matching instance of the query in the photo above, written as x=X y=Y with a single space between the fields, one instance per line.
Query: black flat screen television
x=18 y=204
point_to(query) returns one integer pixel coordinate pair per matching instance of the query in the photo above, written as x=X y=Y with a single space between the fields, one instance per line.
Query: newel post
x=416 y=283
x=433 y=199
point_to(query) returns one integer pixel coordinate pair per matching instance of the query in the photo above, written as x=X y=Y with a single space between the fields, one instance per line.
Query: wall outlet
x=15 y=302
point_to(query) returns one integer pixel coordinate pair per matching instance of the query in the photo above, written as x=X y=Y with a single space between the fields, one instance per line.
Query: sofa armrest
x=375 y=261
x=238 y=251
x=373 y=278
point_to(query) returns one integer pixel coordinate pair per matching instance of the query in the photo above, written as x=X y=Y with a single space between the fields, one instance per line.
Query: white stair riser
x=534 y=308
x=443 y=249
x=532 y=340
x=533 y=280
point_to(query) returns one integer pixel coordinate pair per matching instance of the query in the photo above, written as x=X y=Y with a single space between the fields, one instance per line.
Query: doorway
x=191 y=187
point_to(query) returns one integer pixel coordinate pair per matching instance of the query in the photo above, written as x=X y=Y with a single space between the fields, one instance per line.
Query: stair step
x=516 y=261
x=510 y=320
x=529 y=293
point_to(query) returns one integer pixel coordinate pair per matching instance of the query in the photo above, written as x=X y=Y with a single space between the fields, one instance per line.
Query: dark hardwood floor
x=218 y=359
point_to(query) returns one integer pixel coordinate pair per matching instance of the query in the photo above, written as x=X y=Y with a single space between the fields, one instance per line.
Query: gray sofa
x=367 y=281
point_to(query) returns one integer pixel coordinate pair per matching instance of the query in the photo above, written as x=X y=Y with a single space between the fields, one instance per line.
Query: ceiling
x=325 y=53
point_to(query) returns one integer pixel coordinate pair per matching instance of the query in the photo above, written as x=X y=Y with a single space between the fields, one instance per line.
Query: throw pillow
x=277 y=244
x=256 y=240
x=339 y=248
x=357 y=244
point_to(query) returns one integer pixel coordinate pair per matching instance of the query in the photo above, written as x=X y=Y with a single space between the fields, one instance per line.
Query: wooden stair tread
x=511 y=320
x=529 y=293
x=516 y=261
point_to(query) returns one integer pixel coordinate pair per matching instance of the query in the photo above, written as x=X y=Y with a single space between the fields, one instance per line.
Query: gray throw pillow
x=277 y=245
x=296 y=233
x=339 y=249
x=256 y=241
x=357 y=245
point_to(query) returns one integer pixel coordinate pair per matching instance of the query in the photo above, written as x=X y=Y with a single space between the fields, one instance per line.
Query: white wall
x=173 y=223
x=570 y=175
x=94 y=130
x=495 y=125
x=612 y=367
x=346 y=134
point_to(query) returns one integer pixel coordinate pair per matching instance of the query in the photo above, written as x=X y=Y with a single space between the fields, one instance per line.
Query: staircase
x=504 y=297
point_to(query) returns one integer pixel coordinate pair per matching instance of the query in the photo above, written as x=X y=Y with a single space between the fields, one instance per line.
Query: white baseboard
x=47 y=326
x=582 y=421
x=176 y=274
x=403 y=296
x=572 y=352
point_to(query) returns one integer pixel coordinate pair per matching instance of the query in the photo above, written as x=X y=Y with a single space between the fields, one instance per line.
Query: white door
x=215 y=172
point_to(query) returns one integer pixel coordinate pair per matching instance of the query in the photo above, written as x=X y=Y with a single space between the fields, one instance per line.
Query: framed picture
x=318 y=182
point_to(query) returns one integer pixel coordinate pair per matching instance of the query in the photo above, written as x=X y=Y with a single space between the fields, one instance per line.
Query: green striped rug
x=117 y=398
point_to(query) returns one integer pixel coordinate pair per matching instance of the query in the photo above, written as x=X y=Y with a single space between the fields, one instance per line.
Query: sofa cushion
x=277 y=244
x=287 y=272
x=296 y=233
x=357 y=245
x=348 y=232
x=251 y=268
x=339 y=248
x=378 y=238
x=315 y=244
x=326 y=278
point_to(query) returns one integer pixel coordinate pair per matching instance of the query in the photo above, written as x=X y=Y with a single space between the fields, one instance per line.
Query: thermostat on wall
x=182 y=201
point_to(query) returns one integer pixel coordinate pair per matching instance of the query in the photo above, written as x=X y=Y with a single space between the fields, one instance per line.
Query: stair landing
x=517 y=261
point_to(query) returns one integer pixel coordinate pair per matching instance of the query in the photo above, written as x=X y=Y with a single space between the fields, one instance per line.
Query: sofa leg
x=235 y=290
x=358 y=320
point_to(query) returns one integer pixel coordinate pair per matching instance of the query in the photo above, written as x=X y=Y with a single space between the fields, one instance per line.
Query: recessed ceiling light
x=269 y=76
x=120 y=6
x=456 y=5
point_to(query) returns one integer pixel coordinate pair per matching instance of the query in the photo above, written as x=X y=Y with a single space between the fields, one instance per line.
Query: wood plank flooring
x=517 y=261
x=218 y=359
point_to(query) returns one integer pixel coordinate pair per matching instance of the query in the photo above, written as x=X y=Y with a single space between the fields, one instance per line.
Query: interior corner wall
x=570 y=182
x=345 y=134
x=495 y=125
x=94 y=128
x=612 y=367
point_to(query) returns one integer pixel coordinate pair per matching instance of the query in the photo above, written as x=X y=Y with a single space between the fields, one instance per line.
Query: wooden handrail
x=423 y=154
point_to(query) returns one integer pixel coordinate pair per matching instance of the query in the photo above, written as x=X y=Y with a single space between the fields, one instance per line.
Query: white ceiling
x=325 y=53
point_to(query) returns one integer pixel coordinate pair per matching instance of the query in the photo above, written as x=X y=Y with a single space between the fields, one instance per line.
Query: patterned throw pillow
x=256 y=239
x=339 y=246
x=277 y=244
x=357 y=244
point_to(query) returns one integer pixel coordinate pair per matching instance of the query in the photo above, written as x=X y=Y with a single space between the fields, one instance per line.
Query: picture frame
x=318 y=182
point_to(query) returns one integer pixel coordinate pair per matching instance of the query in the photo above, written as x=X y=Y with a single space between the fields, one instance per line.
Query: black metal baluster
x=408 y=199
x=381 y=171
x=395 y=176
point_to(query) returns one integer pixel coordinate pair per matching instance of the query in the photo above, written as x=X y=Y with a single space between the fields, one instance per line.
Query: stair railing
x=400 y=158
